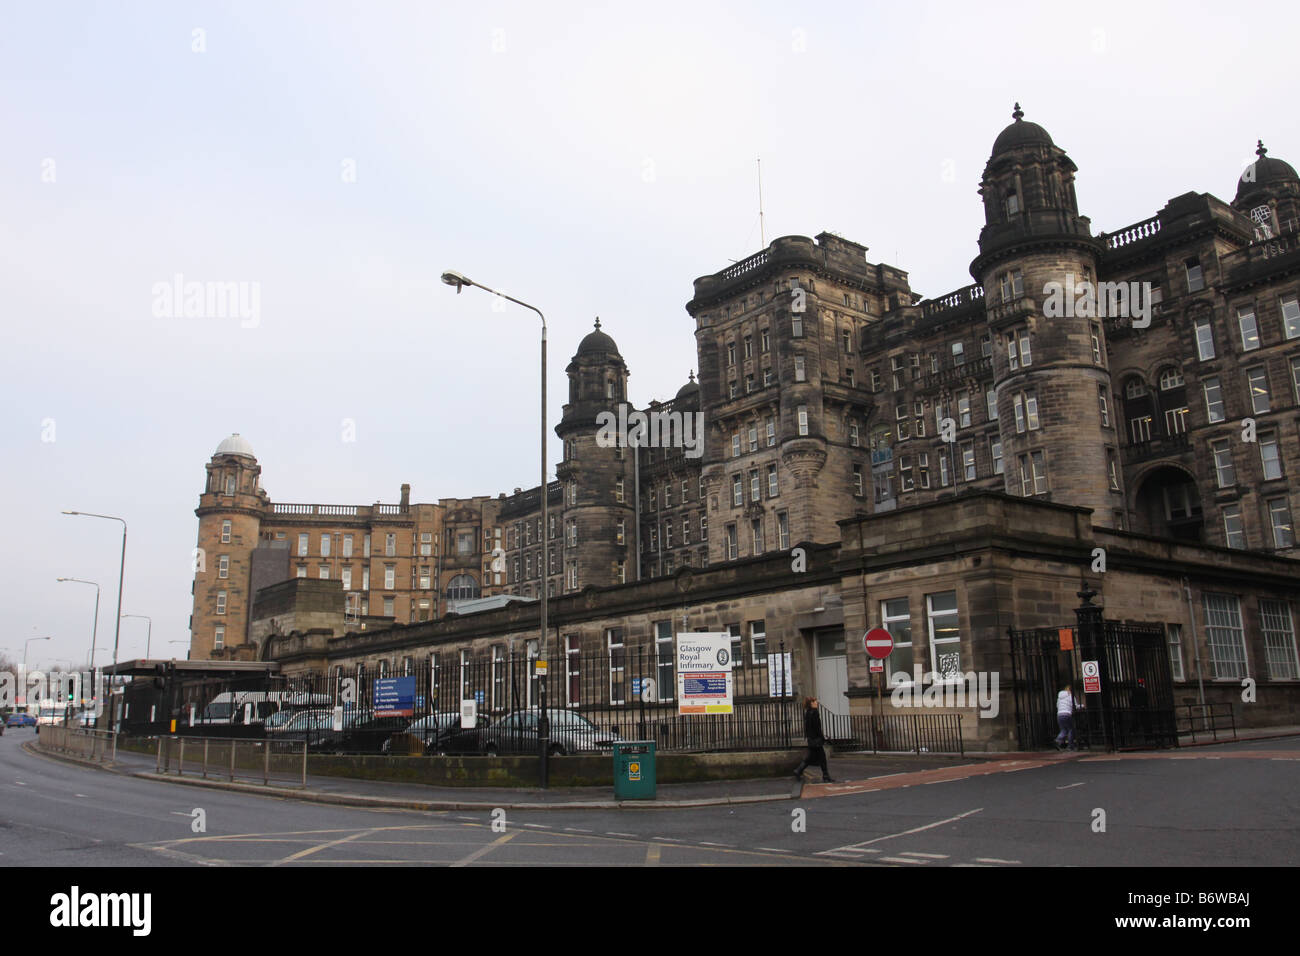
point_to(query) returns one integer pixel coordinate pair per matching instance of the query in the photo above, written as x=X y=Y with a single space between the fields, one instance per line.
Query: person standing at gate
x=1065 y=717
x=812 y=728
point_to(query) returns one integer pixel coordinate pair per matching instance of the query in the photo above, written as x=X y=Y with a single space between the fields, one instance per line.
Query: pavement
x=853 y=772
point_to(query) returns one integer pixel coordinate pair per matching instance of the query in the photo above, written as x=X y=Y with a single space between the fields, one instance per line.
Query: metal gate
x=1134 y=707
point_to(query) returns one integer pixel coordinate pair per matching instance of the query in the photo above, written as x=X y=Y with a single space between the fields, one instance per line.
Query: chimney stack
x=406 y=497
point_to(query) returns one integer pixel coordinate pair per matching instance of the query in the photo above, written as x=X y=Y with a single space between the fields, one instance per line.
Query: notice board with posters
x=704 y=673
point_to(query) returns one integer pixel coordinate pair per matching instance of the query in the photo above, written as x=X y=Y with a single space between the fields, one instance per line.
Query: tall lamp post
x=543 y=722
x=26 y=703
x=121 y=573
x=148 y=641
x=94 y=632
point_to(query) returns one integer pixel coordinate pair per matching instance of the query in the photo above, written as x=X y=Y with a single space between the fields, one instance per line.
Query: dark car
x=430 y=730
x=20 y=720
x=361 y=732
x=517 y=734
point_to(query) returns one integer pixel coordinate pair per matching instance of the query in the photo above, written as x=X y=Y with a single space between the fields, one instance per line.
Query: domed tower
x=230 y=516
x=1036 y=252
x=1269 y=192
x=595 y=475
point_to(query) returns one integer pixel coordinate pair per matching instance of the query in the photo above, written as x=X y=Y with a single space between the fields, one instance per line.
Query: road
x=1235 y=804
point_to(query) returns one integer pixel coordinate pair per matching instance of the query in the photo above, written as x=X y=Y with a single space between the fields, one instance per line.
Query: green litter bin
x=634 y=770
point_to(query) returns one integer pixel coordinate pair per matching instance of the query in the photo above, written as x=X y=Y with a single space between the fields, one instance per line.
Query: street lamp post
x=121 y=574
x=94 y=631
x=148 y=641
x=24 y=674
x=543 y=722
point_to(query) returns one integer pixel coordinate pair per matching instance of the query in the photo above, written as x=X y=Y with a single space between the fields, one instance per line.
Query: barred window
x=1224 y=634
x=1279 y=640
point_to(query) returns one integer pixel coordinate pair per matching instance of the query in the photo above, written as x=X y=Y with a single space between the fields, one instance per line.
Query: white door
x=832 y=672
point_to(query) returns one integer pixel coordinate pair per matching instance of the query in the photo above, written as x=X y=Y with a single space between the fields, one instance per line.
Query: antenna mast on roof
x=762 y=236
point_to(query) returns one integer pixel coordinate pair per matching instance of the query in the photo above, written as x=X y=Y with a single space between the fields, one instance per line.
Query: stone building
x=1138 y=392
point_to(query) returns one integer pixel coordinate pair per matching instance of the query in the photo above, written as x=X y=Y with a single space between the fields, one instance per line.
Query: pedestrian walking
x=1065 y=717
x=812 y=728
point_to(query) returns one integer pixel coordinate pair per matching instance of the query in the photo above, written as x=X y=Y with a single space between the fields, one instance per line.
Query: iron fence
x=1212 y=720
x=282 y=761
x=625 y=693
x=97 y=745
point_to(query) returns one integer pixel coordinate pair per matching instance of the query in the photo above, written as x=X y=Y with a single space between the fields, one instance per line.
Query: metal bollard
x=205 y=758
x=180 y=760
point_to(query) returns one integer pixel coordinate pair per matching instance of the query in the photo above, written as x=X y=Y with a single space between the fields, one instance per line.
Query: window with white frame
x=219 y=636
x=802 y=412
x=772 y=489
x=225 y=532
x=324 y=572
x=1033 y=474
x=783 y=530
x=1290 y=317
x=1225 y=637
x=1204 y=340
x=1279 y=640
x=325 y=546
x=390 y=545
x=1257 y=386
x=303 y=544
x=1249 y=328
x=617 y=665
x=1234 y=531
x=1174 y=638
x=665 y=662
x=223 y=566
x=896 y=618
x=1214 y=411
x=945 y=635
x=1195 y=279
x=995 y=453
x=221 y=602
x=346 y=574
x=1269 y=455
x=1224 y=470
x=1279 y=519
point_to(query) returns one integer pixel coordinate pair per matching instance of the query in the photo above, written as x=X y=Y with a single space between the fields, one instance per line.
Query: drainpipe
x=1196 y=646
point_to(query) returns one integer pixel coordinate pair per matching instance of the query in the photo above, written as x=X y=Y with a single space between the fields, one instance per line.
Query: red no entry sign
x=878 y=642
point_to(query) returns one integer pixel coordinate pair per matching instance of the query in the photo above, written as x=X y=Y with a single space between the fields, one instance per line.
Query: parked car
x=430 y=729
x=362 y=731
x=517 y=734
x=20 y=720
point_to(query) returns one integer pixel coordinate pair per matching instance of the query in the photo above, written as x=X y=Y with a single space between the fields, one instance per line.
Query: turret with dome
x=1269 y=192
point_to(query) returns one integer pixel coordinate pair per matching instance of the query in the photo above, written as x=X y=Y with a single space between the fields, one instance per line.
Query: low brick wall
x=594 y=770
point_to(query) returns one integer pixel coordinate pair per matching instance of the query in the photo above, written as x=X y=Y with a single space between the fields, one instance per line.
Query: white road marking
x=537 y=826
x=901 y=859
x=932 y=856
x=929 y=826
x=1069 y=785
x=772 y=849
x=991 y=859
x=729 y=846
x=612 y=833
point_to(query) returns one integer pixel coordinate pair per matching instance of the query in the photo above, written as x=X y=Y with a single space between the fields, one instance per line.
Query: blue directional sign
x=395 y=697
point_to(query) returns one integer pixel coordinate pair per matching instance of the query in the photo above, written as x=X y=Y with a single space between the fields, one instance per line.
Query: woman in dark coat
x=812 y=728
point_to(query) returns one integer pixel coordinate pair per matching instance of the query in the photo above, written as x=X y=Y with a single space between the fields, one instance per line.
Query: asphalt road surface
x=1228 y=805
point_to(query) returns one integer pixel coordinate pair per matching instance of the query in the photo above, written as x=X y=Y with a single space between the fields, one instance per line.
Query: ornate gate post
x=1091 y=647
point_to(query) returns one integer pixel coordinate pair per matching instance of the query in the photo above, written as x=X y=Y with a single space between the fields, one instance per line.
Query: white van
x=253 y=707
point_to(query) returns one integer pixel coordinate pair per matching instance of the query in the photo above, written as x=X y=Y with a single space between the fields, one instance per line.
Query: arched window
x=1170 y=378
x=462 y=587
x=1134 y=388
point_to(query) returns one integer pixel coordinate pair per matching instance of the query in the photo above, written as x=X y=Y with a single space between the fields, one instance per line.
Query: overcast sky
x=592 y=160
